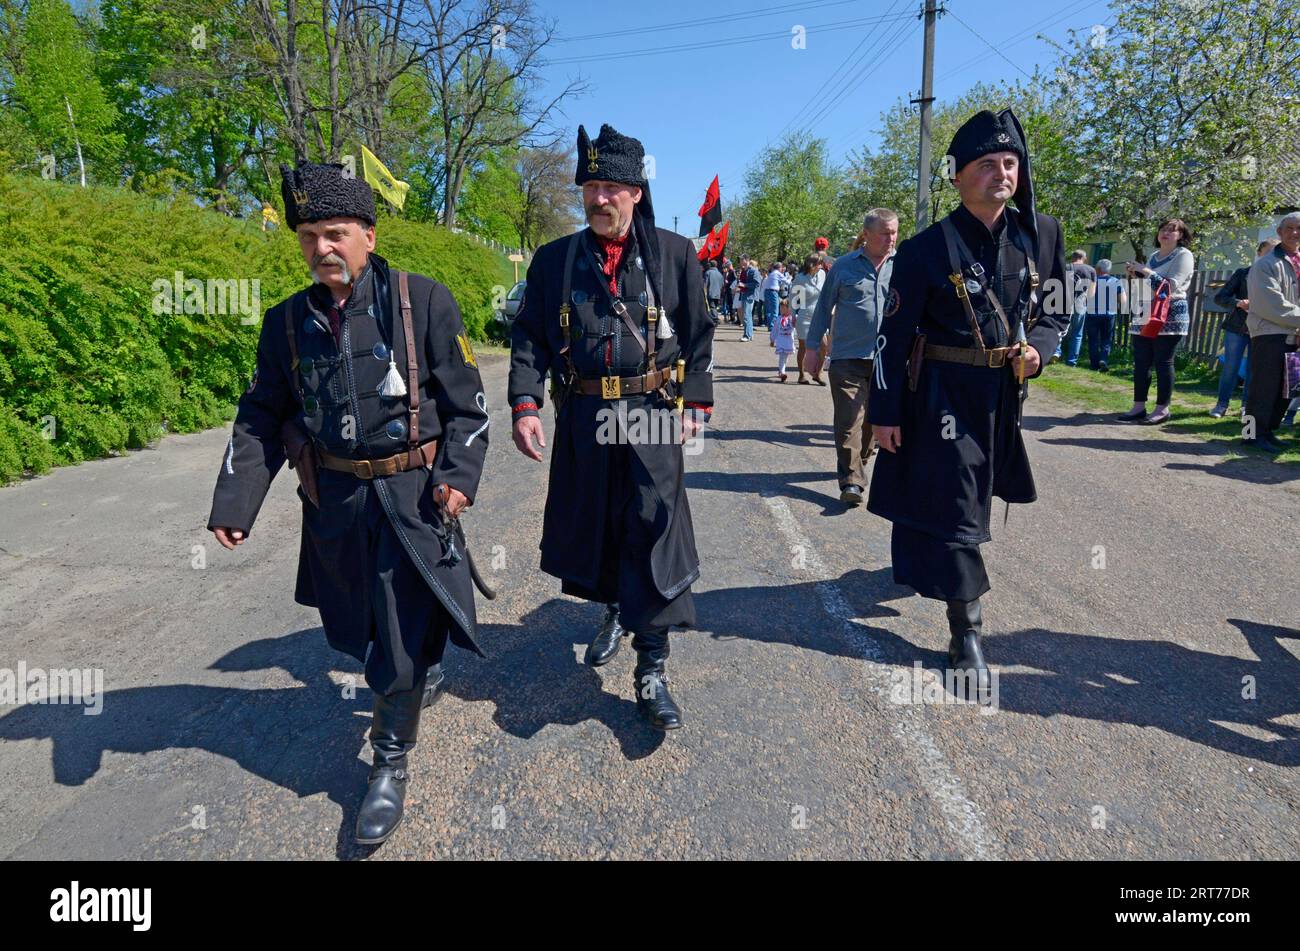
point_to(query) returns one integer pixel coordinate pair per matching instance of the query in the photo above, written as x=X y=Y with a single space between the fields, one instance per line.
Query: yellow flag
x=381 y=179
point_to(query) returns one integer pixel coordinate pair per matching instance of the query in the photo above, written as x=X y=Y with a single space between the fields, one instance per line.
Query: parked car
x=506 y=315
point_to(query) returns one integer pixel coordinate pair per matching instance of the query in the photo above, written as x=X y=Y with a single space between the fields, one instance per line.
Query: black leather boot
x=392 y=737
x=652 y=698
x=965 y=656
x=608 y=639
x=433 y=686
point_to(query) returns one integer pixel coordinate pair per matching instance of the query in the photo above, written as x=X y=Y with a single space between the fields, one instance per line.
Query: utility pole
x=926 y=99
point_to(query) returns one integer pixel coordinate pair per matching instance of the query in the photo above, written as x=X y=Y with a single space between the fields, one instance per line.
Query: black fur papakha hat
x=313 y=192
x=612 y=157
x=987 y=132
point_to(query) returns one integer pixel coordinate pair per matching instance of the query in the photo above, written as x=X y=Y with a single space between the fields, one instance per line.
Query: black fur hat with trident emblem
x=614 y=157
x=314 y=192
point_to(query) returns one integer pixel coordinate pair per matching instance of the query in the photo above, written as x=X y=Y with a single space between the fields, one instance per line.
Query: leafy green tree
x=491 y=201
x=790 y=193
x=886 y=176
x=58 y=96
x=195 y=106
x=1186 y=108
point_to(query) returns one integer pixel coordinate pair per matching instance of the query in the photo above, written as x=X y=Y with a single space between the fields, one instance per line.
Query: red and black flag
x=711 y=210
x=715 y=244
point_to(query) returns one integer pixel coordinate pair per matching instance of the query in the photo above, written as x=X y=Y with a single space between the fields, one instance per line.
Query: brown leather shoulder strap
x=412 y=365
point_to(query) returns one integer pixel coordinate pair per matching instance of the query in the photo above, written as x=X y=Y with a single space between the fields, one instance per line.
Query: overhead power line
x=703 y=21
x=1027 y=33
x=850 y=82
x=715 y=43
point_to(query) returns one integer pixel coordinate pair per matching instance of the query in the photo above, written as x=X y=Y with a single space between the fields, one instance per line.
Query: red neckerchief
x=613 y=249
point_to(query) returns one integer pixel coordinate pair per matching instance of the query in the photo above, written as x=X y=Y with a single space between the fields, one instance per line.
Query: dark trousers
x=850 y=387
x=1157 y=352
x=625 y=574
x=1100 y=330
x=1266 y=398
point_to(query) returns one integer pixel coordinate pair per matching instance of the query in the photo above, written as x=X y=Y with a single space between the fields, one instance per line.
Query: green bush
x=88 y=369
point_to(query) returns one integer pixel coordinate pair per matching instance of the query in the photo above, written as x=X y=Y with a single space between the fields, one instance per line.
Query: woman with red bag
x=1157 y=327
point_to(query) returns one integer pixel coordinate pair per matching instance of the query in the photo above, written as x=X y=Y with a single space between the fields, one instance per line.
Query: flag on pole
x=715 y=243
x=381 y=179
x=711 y=210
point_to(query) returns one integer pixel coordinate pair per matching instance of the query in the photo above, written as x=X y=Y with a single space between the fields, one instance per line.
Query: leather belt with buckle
x=389 y=465
x=616 y=387
x=970 y=356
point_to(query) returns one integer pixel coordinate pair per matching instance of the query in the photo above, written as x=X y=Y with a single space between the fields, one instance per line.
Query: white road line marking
x=959 y=812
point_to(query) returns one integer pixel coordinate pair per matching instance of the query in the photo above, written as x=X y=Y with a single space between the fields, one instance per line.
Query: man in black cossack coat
x=976 y=301
x=617 y=315
x=366 y=383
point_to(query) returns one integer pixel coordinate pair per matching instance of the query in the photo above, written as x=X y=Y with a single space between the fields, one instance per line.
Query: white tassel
x=663 y=329
x=393 y=384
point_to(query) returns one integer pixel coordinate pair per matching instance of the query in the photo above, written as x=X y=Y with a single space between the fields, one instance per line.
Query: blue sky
x=867 y=50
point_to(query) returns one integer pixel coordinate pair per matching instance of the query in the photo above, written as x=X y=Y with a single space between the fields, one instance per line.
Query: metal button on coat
x=310 y=405
x=306 y=364
x=380 y=351
x=396 y=429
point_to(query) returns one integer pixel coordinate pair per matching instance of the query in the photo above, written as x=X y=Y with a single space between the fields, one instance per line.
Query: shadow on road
x=1040 y=424
x=807 y=435
x=1185 y=692
x=788 y=485
x=306 y=738
x=301 y=738
x=1252 y=468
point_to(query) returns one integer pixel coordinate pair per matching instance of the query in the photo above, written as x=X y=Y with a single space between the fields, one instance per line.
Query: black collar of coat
x=976 y=231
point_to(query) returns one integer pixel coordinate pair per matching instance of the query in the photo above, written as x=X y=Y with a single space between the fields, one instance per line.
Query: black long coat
x=333 y=394
x=577 y=503
x=961 y=443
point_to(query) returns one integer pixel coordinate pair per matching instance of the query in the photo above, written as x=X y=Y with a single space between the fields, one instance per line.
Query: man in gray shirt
x=849 y=307
x=713 y=288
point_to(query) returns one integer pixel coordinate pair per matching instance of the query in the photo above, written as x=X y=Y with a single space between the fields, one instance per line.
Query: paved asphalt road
x=228 y=729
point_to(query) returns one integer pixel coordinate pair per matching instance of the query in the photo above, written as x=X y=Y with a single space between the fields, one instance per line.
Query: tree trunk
x=81 y=162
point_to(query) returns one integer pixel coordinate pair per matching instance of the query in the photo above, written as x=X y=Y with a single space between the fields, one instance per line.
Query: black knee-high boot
x=965 y=655
x=392 y=736
x=651 y=683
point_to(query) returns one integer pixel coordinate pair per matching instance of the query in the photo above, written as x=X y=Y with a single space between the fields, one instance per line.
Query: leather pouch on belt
x=914 y=361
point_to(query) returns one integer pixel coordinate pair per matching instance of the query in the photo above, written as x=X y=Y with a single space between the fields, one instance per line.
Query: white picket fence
x=492 y=243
